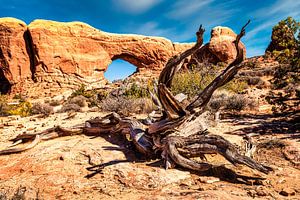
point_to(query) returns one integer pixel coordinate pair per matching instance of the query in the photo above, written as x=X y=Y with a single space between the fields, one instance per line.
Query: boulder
x=220 y=48
x=221 y=44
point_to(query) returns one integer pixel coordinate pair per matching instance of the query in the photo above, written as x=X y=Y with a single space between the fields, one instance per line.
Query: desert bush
x=217 y=101
x=39 y=108
x=235 y=103
x=102 y=94
x=19 y=97
x=235 y=86
x=79 y=100
x=55 y=102
x=3 y=105
x=194 y=81
x=68 y=107
x=254 y=80
x=136 y=91
x=190 y=83
x=92 y=97
x=126 y=106
x=230 y=102
x=23 y=109
x=81 y=91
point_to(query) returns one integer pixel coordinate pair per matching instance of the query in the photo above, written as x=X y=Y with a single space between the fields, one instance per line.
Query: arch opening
x=5 y=85
x=119 y=70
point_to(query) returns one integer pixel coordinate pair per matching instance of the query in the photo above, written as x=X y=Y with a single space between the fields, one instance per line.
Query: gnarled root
x=48 y=134
x=180 y=149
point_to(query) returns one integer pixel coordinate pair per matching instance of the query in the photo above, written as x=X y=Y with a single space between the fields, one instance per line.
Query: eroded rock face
x=14 y=59
x=67 y=53
x=50 y=56
x=220 y=48
x=222 y=45
x=84 y=52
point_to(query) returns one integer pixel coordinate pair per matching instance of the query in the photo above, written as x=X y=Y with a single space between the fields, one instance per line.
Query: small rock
x=57 y=108
x=251 y=193
x=287 y=192
x=20 y=126
x=187 y=183
x=261 y=191
x=9 y=124
x=209 y=179
x=180 y=97
x=32 y=119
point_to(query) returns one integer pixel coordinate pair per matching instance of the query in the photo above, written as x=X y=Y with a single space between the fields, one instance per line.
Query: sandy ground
x=81 y=167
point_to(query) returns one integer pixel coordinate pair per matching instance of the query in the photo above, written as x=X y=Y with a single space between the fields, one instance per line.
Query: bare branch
x=173 y=65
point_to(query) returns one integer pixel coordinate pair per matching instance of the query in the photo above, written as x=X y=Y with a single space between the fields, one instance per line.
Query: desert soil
x=106 y=167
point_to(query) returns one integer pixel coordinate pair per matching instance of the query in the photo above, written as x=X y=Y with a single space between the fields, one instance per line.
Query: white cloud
x=135 y=6
x=271 y=15
x=280 y=7
x=152 y=29
x=264 y=26
x=183 y=8
x=192 y=13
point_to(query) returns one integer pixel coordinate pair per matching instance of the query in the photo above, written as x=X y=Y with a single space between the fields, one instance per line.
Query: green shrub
x=81 y=101
x=81 y=91
x=236 y=86
x=136 y=91
x=193 y=82
x=285 y=47
x=190 y=83
x=23 y=109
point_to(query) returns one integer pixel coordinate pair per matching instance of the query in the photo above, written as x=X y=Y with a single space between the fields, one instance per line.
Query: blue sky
x=175 y=19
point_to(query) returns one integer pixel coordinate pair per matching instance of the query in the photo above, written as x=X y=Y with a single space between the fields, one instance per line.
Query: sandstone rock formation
x=220 y=47
x=14 y=60
x=84 y=52
x=221 y=44
x=50 y=56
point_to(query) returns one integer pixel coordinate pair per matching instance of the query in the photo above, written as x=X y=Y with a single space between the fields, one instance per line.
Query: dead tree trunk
x=177 y=136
